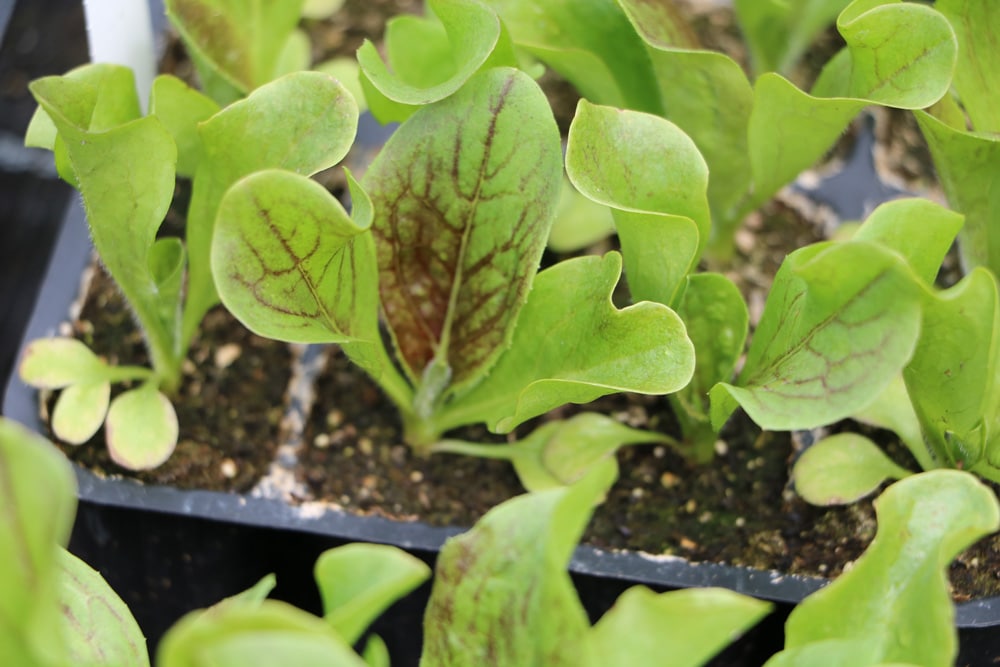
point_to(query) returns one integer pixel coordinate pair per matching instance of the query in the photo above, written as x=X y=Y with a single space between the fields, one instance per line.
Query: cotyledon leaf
x=572 y=345
x=464 y=194
x=841 y=469
x=840 y=322
x=141 y=428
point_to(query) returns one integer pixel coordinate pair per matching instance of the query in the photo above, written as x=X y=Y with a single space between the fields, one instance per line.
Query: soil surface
x=737 y=509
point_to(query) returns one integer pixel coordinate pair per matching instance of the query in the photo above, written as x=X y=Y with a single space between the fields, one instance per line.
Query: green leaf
x=840 y=322
x=953 y=377
x=376 y=653
x=893 y=225
x=234 y=43
x=37 y=504
x=561 y=453
x=141 y=428
x=591 y=44
x=514 y=559
x=898 y=54
x=359 y=581
x=654 y=179
x=431 y=58
x=80 y=411
x=708 y=96
x=968 y=166
x=303 y=122
x=463 y=194
x=126 y=175
x=579 y=221
x=180 y=108
x=974 y=22
x=676 y=629
x=894 y=604
x=572 y=345
x=291 y=264
x=236 y=635
x=778 y=32
x=99 y=627
x=789 y=130
x=841 y=469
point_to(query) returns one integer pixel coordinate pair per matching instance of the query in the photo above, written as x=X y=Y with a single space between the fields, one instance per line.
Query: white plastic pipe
x=121 y=32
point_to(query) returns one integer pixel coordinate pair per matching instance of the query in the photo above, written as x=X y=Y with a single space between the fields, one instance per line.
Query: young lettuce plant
x=125 y=165
x=447 y=230
x=842 y=320
x=755 y=138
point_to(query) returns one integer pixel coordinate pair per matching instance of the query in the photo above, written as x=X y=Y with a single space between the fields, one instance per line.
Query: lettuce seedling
x=963 y=135
x=447 y=231
x=515 y=558
x=661 y=213
x=125 y=166
x=894 y=605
